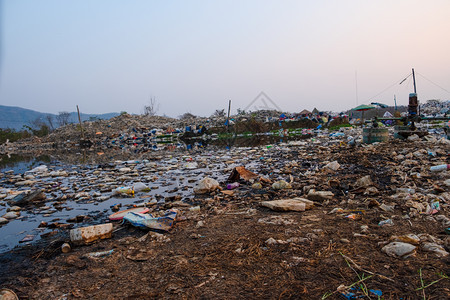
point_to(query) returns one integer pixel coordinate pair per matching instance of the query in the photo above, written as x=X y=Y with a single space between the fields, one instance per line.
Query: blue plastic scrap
x=163 y=223
x=357 y=294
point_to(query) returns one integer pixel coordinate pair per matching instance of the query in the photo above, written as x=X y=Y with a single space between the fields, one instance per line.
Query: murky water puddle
x=169 y=178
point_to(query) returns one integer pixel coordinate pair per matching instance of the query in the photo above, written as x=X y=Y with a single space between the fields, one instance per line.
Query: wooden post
x=228 y=118
x=79 y=120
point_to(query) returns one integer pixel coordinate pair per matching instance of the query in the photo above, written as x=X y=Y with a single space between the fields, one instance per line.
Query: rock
x=11 y=215
x=281 y=185
x=296 y=204
x=58 y=174
x=14 y=208
x=40 y=169
x=271 y=241
x=334 y=165
x=206 y=185
x=413 y=138
x=257 y=186
x=399 y=249
x=371 y=191
x=3 y=220
x=277 y=220
x=387 y=208
x=24 y=198
x=320 y=195
x=365 y=181
x=447 y=183
x=435 y=248
x=139 y=187
x=25 y=182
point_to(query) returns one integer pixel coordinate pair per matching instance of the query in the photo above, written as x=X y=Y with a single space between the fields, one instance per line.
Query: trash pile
x=435 y=108
x=326 y=216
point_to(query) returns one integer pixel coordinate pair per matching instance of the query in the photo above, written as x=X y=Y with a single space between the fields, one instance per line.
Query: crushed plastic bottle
x=232 y=186
x=387 y=222
x=440 y=168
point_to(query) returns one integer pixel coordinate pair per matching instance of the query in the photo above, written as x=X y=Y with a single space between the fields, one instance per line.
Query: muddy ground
x=234 y=248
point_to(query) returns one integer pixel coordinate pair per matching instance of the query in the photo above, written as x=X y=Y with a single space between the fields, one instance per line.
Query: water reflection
x=20 y=163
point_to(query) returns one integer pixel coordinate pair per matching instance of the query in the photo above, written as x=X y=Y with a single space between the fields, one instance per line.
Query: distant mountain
x=16 y=117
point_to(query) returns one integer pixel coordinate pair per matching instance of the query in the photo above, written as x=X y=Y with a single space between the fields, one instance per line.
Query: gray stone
x=320 y=195
x=296 y=204
x=11 y=215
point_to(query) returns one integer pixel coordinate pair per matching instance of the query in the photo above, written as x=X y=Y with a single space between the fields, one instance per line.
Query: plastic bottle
x=65 y=248
x=124 y=191
x=440 y=168
x=233 y=185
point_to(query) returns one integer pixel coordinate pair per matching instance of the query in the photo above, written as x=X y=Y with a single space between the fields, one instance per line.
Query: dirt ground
x=234 y=248
x=206 y=263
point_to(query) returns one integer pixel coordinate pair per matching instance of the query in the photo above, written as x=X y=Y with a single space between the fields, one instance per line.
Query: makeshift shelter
x=362 y=108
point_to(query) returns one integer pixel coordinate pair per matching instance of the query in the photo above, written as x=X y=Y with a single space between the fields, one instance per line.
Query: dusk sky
x=194 y=56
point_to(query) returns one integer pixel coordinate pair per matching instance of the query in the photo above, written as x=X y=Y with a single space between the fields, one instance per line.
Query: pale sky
x=194 y=56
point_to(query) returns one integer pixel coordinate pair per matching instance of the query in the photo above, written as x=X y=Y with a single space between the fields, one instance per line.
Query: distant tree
x=93 y=118
x=123 y=113
x=152 y=108
x=11 y=135
x=49 y=119
x=63 y=118
x=38 y=127
x=219 y=113
x=186 y=116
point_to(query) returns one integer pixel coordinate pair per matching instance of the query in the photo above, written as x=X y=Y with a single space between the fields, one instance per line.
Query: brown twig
x=361 y=269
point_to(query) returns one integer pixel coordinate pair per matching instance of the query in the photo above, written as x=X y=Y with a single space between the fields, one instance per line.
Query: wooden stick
x=79 y=120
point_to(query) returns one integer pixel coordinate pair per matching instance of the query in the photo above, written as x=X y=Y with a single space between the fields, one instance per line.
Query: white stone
x=11 y=215
x=296 y=204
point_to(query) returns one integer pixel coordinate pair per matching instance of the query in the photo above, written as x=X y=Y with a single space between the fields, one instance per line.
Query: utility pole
x=228 y=117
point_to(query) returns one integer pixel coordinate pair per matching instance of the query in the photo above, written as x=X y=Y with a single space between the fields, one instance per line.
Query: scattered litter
x=399 y=249
x=89 y=234
x=206 y=185
x=120 y=214
x=163 y=223
x=296 y=204
x=241 y=172
x=99 y=254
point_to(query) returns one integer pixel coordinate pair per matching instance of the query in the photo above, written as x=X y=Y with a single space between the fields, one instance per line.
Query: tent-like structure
x=305 y=112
